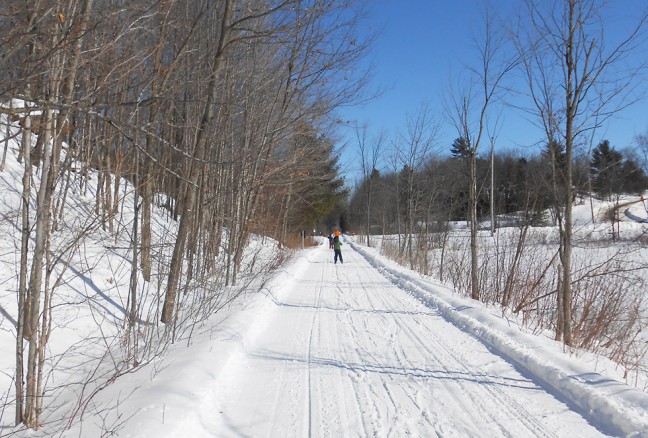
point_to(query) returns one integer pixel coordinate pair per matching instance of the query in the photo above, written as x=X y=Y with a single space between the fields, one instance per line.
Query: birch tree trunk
x=474 y=227
x=32 y=319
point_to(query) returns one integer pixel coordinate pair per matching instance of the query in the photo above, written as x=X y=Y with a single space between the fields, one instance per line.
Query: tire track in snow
x=349 y=353
x=275 y=417
x=417 y=334
x=363 y=397
x=344 y=388
x=313 y=326
x=399 y=313
x=433 y=346
x=385 y=413
x=351 y=376
x=331 y=350
x=398 y=354
x=496 y=394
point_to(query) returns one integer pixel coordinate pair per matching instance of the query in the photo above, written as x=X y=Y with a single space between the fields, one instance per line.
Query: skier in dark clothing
x=337 y=249
x=330 y=238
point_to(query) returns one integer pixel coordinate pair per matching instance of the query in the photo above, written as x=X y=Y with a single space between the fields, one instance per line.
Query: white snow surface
x=364 y=348
x=367 y=348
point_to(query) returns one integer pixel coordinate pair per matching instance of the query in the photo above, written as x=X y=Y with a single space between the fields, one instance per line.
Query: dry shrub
x=390 y=249
x=295 y=241
x=608 y=305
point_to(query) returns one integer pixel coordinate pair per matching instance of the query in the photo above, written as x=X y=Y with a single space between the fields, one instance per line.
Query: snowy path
x=347 y=353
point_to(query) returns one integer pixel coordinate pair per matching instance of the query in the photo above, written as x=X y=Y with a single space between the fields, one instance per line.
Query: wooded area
x=214 y=110
x=222 y=113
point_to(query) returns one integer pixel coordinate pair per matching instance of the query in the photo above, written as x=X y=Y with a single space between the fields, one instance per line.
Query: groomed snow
x=364 y=348
x=367 y=348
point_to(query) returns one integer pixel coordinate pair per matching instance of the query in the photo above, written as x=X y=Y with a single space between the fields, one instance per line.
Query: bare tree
x=413 y=151
x=24 y=256
x=199 y=149
x=251 y=111
x=575 y=87
x=469 y=108
x=369 y=155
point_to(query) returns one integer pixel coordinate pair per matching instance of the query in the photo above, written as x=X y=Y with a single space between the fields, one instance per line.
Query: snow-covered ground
x=364 y=348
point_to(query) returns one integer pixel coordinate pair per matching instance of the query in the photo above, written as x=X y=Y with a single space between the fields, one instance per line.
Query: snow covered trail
x=345 y=352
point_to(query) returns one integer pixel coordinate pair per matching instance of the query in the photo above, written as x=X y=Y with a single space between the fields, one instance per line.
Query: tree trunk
x=194 y=171
x=474 y=274
x=43 y=210
x=570 y=116
x=132 y=301
x=24 y=254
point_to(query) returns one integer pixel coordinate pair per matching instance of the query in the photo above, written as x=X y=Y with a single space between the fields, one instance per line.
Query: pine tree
x=461 y=148
x=606 y=169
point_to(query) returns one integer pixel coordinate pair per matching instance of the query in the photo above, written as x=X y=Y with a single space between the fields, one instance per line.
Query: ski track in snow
x=345 y=352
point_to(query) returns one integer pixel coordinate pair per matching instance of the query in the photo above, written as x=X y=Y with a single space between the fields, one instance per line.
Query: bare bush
x=608 y=284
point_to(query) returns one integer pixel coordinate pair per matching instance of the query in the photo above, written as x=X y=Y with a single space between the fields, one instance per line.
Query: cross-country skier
x=337 y=249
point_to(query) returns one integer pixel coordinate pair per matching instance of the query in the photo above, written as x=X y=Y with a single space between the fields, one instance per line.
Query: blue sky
x=425 y=43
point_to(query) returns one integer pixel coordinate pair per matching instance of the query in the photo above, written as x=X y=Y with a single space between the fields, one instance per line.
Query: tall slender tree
x=575 y=88
x=369 y=151
x=469 y=108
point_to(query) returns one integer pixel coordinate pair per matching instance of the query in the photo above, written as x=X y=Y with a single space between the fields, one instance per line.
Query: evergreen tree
x=318 y=189
x=634 y=180
x=461 y=148
x=605 y=167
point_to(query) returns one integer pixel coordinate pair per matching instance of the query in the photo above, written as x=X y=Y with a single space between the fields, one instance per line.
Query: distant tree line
x=521 y=190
